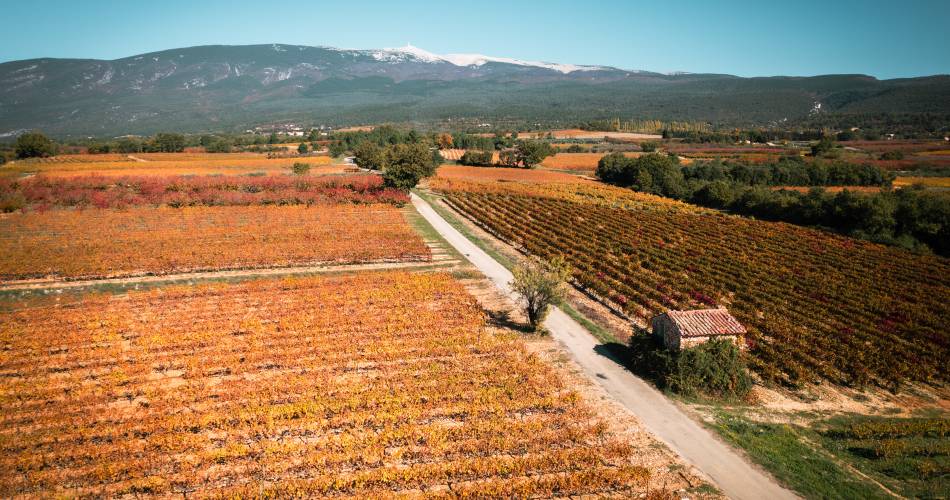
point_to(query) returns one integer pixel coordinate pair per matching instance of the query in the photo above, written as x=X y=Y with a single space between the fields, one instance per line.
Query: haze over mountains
x=232 y=87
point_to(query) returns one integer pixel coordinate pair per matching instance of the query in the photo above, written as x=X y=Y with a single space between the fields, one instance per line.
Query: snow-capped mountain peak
x=411 y=52
x=407 y=52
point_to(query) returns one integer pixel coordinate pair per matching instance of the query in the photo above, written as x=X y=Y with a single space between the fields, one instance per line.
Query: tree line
x=912 y=218
x=790 y=171
x=525 y=154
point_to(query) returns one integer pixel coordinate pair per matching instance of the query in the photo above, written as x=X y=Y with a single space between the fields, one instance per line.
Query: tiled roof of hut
x=705 y=323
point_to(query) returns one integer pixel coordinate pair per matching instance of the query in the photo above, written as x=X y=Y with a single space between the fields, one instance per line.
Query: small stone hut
x=681 y=329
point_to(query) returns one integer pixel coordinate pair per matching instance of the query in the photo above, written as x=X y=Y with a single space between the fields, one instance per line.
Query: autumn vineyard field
x=42 y=192
x=368 y=385
x=68 y=243
x=163 y=164
x=818 y=306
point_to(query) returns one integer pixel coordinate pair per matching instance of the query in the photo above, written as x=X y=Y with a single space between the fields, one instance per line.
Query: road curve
x=726 y=468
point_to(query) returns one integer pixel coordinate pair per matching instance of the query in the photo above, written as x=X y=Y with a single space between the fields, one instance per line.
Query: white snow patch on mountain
x=410 y=52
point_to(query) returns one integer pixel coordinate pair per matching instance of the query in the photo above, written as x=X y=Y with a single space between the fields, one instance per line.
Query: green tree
x=169 y=143
x=273 y=139
x=715 y=368
x=648 y=147
x=218 y=146
x=129 y=145
x=368 y=155
x=302 y=148
x=476 y=158
x=508 y=157
x=407 y=164
x=336 y=148
x=99 y=148
x=823 y=147
x=34 y=145
x=540 y=283
x=531 y=153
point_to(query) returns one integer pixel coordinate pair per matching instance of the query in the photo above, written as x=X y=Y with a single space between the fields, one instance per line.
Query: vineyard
x=586 y=162
x=911 y=453
x=164 y=164
x=371 y=385
x=548 y=184
x=43 y=192
x=817 y=306
x=140 y=240
x=503 y=174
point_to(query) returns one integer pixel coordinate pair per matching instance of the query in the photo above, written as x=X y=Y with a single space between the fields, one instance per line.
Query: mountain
x=231 y=87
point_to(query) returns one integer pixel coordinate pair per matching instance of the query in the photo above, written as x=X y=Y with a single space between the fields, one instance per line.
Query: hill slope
x=223 y=87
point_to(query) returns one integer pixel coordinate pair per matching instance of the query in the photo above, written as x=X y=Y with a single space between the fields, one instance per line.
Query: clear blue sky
x=886 y=39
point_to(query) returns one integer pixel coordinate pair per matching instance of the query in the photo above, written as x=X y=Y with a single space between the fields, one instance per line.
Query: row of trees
x=525 y=154
x=790 y=171
x=163 y=142
x=912 y=217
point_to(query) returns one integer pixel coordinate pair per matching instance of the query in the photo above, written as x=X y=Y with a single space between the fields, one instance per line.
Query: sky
x=886 y=39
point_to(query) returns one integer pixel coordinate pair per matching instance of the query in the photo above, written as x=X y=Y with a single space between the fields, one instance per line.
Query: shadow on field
x=502 y=319
x=639 y=355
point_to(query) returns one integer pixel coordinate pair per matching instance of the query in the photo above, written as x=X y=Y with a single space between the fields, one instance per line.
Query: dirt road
x=724 y=466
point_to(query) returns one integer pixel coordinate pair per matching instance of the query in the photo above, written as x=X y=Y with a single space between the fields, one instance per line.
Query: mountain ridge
x=216 y=87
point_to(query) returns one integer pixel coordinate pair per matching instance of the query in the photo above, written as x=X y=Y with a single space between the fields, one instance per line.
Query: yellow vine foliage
x=145 y=240
x=548 y=184
x=167 y=164
x=368 y=385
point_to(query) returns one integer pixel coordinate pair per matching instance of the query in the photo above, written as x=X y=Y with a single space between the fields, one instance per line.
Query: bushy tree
x=336 y=148
x=716 y=194
x=540 y=283
x=530 y=153
x=169 y=143
x=368 y=155
x=301 y=168
x=407 y=164
x=218 y=146
x=648 y=146
x=476 y=158
x=508 y=158
x=129 y=145
x=823 y=147
x=302 y=148
x=34 y=145
x=651 y=173
x=715 y=368
x=445 y=141
x=96 y=148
